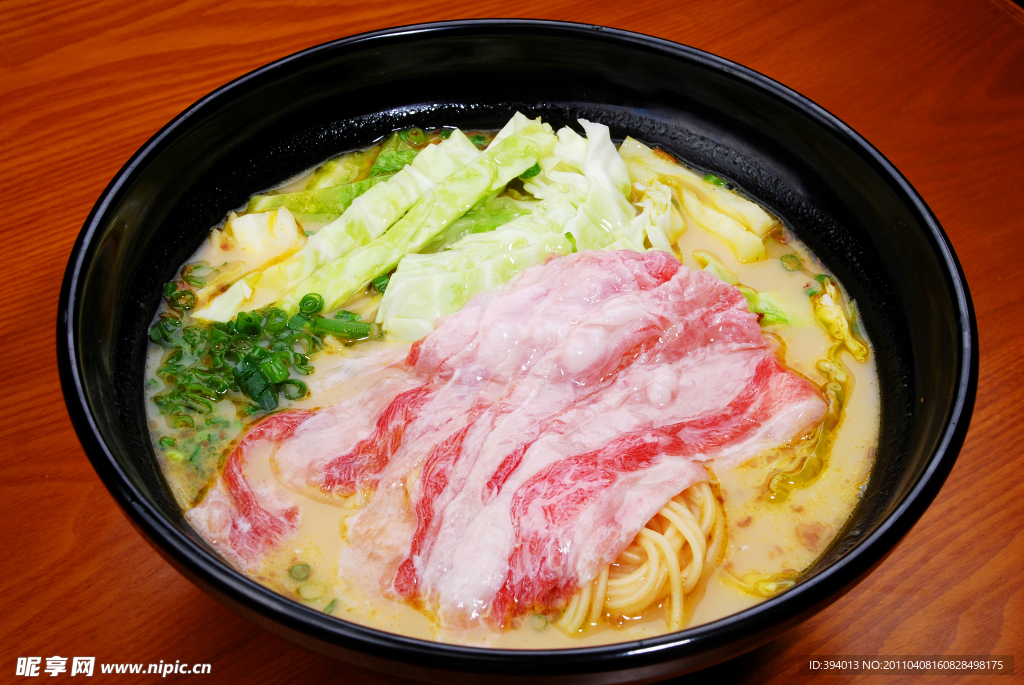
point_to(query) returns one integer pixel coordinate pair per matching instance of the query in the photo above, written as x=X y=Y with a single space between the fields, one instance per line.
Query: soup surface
x=517 y=389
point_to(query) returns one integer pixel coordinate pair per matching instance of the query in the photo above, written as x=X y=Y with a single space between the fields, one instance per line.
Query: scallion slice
x=274 y=369
x=311 y=304
x=277 y=319
x=531 y=172
x=340 y=328
x=380 y=283
x=298 y=322
x=293 y=389
x=791 y=262
x=183 y=299
x=345 y=315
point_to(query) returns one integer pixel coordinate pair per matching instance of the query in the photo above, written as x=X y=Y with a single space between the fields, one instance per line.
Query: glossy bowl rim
x=781 y=611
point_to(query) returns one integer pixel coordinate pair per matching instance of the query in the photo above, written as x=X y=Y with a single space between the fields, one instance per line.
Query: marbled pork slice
x=469 y=363
x=369 y=386
x=601 y=333
x=243 y=522
x=716 y=345
x=577 y=514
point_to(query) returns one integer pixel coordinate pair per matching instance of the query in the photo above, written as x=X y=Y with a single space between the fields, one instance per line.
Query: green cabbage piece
x=427 y=286
x=586 y=187
x=583 y=187
x=391 y=162
x=347 y=168
x=737 y=221
x=659 y=221
x=428 y=218
x=497 y=212
x=324 y=204
x=766 y=305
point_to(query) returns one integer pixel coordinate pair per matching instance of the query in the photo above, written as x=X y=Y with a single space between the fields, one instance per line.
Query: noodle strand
x=665 y=562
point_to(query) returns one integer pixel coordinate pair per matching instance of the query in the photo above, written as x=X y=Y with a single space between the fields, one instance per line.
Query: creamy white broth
x=763 y=538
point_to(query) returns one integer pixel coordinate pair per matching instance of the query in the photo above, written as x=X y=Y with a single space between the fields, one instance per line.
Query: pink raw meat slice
x=705 y=357
x=572 y=510
x=304 y=461
x=539 y=327
x=552 y=420
x=243 y=522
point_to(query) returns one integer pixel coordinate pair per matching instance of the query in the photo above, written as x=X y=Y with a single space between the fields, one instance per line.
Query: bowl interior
x=835 y=192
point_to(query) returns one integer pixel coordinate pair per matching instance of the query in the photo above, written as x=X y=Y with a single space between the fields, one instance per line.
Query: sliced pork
x=552 y=420
x=242 y=521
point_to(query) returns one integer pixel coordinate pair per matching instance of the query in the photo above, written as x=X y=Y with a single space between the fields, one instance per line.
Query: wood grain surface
x=938 y=87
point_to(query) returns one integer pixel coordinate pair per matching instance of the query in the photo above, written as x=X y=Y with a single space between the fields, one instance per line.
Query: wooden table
x=938 y=87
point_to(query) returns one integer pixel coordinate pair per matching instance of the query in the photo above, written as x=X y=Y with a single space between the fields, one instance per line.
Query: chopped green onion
x=267 y=399
x=329 y=609
x=160 y=335
x=194 y=336
x=183 y=299
x=198 y=275
x=380 y=283
x=294 y=389
x=200 y=391
x=277 y=319
x=444 y=134
x=791 y=262
x=711 y=178
x=197 y=402
x=311 y=303
x=170 y=288
x=183 y=422
x=531 y=172
x=304 y=337
x=347 y=316
x=298 y=322
x=478 y=140
x=299 y=571
x=260 y=353
x=275 y=370
x=414 y=136
x=167 y=441
x=249 y=324
x=572 y=241
x=340 y=328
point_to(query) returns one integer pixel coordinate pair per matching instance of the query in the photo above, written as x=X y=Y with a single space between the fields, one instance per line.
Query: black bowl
x=829 y=185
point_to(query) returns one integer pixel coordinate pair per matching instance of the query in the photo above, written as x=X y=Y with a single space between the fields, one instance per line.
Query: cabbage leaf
x=429 y=217
x=739 y=222
x=428 y=286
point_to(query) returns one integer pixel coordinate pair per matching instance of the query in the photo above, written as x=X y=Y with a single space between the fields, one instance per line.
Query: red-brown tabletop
x=938 y=87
